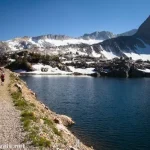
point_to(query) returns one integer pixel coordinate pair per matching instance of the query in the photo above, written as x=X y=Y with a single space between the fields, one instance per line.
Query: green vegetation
x=39 y=141
x=19 y=102
x=45 y=59
x=27 y=119
x=3 y=59
x=20 y=63
x=23 y=60
x=51 y=124
x=47 y=121
x=56 y=131
x=27 y=115
x=30 y=118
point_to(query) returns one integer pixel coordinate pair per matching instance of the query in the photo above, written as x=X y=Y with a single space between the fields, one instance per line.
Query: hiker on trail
x=2 y=78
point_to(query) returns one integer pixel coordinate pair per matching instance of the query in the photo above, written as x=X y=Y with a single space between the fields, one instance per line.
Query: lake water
x=110 y=113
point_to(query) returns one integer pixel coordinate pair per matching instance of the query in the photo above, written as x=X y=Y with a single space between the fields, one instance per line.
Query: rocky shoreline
x=45 y=124
x=117 y=67
x=124 y=68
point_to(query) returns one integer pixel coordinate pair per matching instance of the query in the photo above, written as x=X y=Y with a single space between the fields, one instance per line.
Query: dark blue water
x=110 y=113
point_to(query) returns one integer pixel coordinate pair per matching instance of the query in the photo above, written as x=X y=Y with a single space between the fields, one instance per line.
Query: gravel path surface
x=10 y=126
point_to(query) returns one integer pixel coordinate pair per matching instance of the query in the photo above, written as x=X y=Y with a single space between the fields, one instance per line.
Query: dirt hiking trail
x=10 y=126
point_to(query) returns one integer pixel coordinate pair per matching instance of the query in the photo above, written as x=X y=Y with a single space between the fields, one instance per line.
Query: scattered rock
x=72 y=148
x=63 y=67
x=66 y=121
x=19 y=87
x=56 y=120
x=46 y=108
x=96 y=74
x=33 y=93
x=77 y=73
x=41 y=121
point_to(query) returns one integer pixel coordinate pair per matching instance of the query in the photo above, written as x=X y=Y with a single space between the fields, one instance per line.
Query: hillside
x=27 y=122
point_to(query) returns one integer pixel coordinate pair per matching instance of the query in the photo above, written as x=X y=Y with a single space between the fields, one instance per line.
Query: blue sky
x=69 y=17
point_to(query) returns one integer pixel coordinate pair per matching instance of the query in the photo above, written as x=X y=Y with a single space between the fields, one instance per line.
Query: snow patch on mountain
x=141 y=52
x=70 y=41
x=13 y=45
x=145 y=50
x=145 y=70
x=108 y=55
x=16 y=44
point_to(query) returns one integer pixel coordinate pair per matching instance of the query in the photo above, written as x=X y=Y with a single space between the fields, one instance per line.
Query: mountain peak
x=98 y=35
x=52 y=36
x=144 y=30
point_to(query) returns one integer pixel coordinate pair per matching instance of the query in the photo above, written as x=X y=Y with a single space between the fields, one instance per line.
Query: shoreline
x=60 y=121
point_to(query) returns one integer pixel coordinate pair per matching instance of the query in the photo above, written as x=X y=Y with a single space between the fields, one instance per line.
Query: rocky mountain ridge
x=136 y=46
x=104 y=45
x=47 y=41
x=104 y=35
